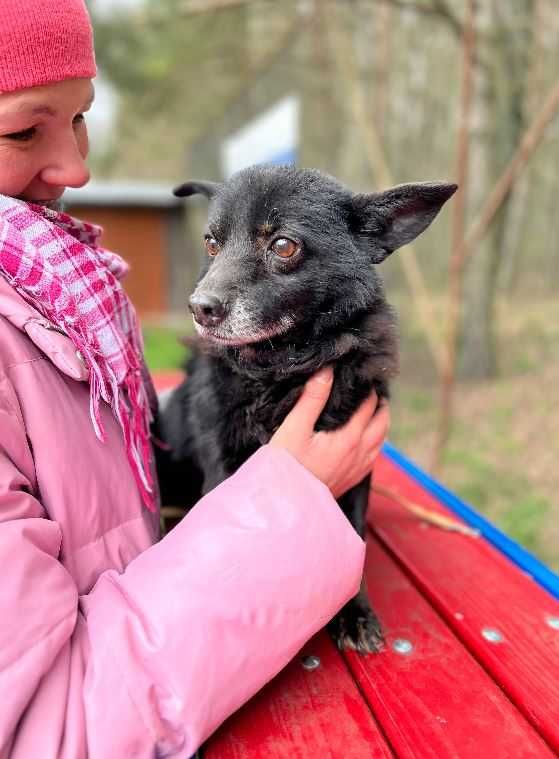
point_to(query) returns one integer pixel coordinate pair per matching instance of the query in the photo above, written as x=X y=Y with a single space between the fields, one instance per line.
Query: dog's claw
x=357 y=629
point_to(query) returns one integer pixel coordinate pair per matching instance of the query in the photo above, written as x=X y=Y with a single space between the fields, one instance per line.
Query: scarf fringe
x=130 y=395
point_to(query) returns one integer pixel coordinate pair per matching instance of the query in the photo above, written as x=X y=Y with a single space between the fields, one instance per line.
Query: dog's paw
x=357 y=628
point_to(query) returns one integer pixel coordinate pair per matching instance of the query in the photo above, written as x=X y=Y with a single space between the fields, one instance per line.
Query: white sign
x=273 y=137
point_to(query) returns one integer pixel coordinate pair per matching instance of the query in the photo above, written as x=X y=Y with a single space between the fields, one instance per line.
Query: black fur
x=269 y=322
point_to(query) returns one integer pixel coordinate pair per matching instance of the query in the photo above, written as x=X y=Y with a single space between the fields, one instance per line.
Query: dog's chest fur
x=235 y=400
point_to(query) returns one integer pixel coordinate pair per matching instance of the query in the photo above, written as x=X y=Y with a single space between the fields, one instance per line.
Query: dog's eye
x=284 y=248
x=212 y=245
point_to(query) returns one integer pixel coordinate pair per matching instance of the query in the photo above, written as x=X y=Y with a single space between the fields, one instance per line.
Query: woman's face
x=43 y=140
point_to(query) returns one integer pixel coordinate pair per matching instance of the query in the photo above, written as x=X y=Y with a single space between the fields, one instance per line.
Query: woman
x=111 y=644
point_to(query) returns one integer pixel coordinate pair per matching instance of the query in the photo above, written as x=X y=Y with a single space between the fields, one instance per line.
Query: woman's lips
x=53 y=203
x=44 y=201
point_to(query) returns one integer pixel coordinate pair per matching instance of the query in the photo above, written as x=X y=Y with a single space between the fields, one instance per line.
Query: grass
x=163 y=347
x=501 y=457
x=485 y=465
x=525 y=519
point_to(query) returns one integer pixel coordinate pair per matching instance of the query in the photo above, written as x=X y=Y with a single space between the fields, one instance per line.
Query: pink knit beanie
x=44 y=41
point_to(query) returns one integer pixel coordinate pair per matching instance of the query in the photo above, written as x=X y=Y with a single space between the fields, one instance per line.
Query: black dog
x=290 y=285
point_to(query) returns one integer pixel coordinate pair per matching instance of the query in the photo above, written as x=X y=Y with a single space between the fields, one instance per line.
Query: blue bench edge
x=542 y=574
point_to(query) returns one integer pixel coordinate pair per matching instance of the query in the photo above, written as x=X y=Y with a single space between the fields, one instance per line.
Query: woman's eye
x=285 y=248
x=24 y=136
x=78 y=118
x=212 y=245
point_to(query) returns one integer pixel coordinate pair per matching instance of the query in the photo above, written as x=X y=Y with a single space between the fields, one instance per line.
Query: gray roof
x=127 y=194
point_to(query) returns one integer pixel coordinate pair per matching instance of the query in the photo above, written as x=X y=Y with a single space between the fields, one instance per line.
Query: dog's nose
x=208 y=310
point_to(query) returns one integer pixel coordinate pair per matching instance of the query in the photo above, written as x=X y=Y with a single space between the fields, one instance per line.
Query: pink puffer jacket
x=113 y=644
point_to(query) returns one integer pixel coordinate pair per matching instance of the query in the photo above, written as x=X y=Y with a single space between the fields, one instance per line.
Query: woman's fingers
x=341 y=458
x=370 y=443
x=378 y=427
x=362 y=417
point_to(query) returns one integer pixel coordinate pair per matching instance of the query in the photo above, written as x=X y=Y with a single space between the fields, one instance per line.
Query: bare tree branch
x=191 y=7
x=345 y=59
x=530 y=141
x=284 y=42
x=471 y=244
x=445 y=12
x=447 y=377
x=434 y=8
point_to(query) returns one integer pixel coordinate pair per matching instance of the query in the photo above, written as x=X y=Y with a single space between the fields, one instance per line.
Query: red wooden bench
x=471 y=663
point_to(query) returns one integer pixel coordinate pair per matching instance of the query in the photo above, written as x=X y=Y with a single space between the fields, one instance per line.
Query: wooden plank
x=435 y=701
x=166 y=380
x=303 y=714
x=481 y=595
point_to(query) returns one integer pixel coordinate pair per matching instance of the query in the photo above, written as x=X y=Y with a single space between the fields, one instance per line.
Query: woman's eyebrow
x=43 y=110
x=46 y=110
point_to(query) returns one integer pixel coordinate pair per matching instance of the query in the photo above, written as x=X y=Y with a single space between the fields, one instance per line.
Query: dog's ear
x=208 y=189
x=384 y=221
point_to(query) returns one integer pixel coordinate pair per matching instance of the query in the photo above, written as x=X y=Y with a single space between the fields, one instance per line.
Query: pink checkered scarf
x=53 y=261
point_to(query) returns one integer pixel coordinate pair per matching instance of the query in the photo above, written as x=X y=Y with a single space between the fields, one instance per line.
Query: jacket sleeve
x=152 y=660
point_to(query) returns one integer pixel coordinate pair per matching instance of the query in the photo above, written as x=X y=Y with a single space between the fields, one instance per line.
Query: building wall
x=140 y=236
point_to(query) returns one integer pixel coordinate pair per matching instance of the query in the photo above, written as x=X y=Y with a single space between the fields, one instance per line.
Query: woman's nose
x=67 y=167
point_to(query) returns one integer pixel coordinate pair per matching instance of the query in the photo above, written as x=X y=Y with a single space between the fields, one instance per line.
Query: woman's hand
x=340 y=459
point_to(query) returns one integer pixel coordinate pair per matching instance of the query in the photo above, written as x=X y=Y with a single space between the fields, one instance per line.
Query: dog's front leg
x=214 y=474
x=356 y=626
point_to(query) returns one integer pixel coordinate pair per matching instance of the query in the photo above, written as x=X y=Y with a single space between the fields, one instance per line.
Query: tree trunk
x=501 y=85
